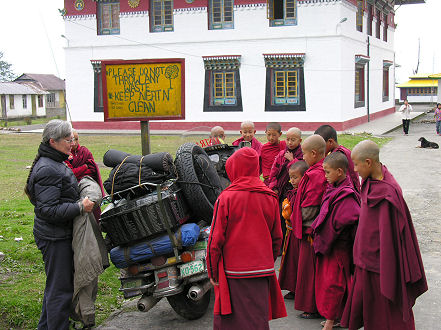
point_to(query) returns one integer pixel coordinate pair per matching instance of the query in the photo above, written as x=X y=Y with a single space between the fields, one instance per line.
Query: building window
x=222 y=83
x=282 y=12
x=221 y=14
x=11 y=102
x=25 y=101
x=360 y=14
x=161 y=15
x=378 y=25
x=386 y=66
x=50 y=100
x=40 y=101
x=108 y=17
x=285 y=90
x=98 y=105
x=360 y=64
x=385 y=27
x=370 y=19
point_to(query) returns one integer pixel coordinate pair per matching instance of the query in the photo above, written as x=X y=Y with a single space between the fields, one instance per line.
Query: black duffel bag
x=128 y=175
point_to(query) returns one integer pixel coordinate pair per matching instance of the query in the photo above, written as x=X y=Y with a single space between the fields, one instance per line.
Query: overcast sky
x=31 y=39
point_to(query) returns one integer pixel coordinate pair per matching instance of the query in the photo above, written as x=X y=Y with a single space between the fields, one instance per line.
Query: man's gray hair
x=56 y=129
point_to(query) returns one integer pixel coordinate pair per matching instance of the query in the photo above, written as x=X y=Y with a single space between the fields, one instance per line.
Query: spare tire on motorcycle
x=198 y=179
x=188 y=308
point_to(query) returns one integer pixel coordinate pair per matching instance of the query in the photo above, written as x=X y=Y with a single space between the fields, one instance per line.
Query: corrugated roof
x=47 y=82
x=13 y=88
x=409 y=2
x=419 y=83
x=435 y=76
x=420 y=76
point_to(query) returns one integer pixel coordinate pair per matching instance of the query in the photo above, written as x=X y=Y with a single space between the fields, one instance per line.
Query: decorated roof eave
x=408 y=2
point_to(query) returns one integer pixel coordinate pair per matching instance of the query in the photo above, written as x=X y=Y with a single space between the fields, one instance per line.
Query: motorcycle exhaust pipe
x=146 y=303
x=197 y=291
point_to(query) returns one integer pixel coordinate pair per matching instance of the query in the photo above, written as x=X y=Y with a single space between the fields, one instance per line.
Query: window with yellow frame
x=161 y=15
x=359 y=15
x=221 y=14
x=286 y=87
x=281 y=12
x=224 y=88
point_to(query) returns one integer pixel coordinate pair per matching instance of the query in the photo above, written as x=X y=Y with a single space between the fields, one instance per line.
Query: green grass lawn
x=22 y=275
x=28 y=121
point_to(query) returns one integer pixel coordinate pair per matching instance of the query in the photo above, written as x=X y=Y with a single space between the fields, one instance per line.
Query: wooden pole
x=145 y=137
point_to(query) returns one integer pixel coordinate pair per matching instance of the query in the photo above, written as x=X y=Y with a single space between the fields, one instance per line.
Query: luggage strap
x=114 y=175
x=127 y=255
x=173 y=240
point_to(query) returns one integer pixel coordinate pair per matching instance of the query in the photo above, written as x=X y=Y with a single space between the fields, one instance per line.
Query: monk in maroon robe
x=290 y=252
x=271 y=149
x=306 y=208
x=244 y=242
x=329 y=134
x=334 y=230
x=248 y=131
x=82 y=163
x=389 y=273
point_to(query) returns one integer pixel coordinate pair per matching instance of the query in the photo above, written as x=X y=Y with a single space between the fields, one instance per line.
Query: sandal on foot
x=310 y=316
x=289 y=296
x=336 y=324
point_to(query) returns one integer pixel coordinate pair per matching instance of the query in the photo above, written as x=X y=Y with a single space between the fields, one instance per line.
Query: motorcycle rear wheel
x=188 y=308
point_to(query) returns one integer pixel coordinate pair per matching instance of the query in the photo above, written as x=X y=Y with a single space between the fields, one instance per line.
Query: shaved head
x=337 y=160
x=327 y=132
x=315 y=142
x=247 y=123
x=300 y=166
x=275 y=126
x=366 y=149
x=217 y=131
x=294 y=131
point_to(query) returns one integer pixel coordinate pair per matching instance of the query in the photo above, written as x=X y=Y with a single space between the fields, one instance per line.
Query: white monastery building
x=298 y=62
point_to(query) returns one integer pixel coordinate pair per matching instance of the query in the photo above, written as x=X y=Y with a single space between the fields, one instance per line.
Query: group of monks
x=349 y=250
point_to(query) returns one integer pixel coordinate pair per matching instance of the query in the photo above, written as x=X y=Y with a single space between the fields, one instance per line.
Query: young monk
x=329 y=134
x=245 y=240
x=271 y=149
x=389 y=273
x=278 y=179
x=334 y=232
x=217 y=135
x=290 y=252
x=306 y=208
x=247 y=131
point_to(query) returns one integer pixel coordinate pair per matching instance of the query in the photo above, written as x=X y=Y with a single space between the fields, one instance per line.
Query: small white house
x=18 y=101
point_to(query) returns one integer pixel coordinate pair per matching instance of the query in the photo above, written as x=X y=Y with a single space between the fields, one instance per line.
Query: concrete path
x=417 y=171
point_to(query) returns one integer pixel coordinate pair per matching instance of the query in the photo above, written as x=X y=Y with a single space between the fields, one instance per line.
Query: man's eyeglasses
x=69 y=140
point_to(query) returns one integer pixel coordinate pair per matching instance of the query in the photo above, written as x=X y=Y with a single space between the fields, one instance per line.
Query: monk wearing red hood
x=306 y=208
x=334 y=232
x=329 y=134
x=244 y=242
x=247 y=131
x=389 y=273
x=271 y=149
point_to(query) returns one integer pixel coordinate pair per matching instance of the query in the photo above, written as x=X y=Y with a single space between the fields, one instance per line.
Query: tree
x=6 y=73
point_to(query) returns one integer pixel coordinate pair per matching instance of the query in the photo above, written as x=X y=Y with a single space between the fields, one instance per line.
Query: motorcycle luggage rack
x=159 y=188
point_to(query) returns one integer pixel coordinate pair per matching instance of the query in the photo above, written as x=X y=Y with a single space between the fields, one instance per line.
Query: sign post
x=144 y=90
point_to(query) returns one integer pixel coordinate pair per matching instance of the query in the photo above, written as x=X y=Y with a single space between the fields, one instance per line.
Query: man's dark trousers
x=57 y=301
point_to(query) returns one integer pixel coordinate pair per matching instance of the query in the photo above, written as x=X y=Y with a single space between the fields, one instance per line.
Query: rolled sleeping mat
x=159 y=161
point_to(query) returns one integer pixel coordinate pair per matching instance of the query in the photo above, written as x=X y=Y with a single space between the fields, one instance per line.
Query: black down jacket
x=55 y=194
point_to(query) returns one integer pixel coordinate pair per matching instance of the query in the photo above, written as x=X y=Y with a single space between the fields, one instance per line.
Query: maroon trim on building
x=89 y=8
x=283 y=55
x=124 y=6
x=221 y=57
x=229 y=126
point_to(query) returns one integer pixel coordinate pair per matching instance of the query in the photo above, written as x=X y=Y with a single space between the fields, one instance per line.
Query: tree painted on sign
x=171 y=73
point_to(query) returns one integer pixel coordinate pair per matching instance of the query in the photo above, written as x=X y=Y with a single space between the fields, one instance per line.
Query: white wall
x=329 y=68
x=18 y=110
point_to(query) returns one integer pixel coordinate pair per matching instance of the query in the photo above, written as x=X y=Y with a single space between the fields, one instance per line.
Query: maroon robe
x=389 y=269
x=245 y=206
x=290 y=254
x=310 y=192
x=82 y=164
x=267 y=155
x=350 y=172
x=255 y=144
x=279 y=176
x=333 y=231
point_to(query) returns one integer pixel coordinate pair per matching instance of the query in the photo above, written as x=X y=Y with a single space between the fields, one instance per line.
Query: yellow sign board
x=143 y=89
